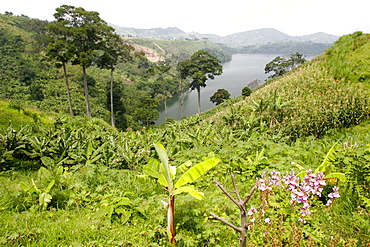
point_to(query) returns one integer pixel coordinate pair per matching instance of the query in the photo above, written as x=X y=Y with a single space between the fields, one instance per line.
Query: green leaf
x=301 y=174
x=189 y=189
x=44 y=199
x=47 y=161
x=185 y=166
x=101 y=213
x=52 y=182
x=326 y=166
x=300 y=167
x=164 y=160
x=338 y=175
x=125 y=214
x=88 y=150
x=196 y=171
x=152 y=168
x=124 y=201
x=25 y=187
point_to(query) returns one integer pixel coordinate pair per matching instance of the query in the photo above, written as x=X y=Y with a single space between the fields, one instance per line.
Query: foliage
x=284 y=48
x=220 y=96
x=165 y=174
x=179 y=50
x=98 y=197
x=246 y=91
x=282 y=65
x=200 y=67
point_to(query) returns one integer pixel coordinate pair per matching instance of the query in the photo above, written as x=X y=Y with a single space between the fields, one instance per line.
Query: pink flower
x=334 y=195
x=252 y=211
x=267 y=220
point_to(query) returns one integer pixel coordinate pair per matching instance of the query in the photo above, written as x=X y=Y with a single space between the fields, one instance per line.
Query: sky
x=293 y=17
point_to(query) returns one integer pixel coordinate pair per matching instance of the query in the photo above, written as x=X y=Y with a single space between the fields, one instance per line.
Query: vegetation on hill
x=179 y=50
x=78 y=181
x=284 y=48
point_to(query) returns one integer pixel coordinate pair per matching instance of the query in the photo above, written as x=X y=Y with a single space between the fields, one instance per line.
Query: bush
x=246 y=91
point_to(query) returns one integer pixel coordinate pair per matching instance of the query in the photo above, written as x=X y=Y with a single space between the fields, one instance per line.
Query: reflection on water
x=238 y=73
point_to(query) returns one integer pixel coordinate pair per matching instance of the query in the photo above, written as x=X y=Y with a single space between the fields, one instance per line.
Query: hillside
x=328 y=92
x=178 y=50
x=77 y=181
x=252 y=37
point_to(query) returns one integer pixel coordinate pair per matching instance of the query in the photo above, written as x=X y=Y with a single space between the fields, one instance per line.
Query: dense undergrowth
x=79 y=182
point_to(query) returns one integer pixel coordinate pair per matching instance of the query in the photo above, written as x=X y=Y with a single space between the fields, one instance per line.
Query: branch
x=216 y=217
x=249 y=196
x=235 y=188
x=228 y=194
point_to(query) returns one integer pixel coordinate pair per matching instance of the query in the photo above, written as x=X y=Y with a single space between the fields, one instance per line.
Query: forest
x=285 y=165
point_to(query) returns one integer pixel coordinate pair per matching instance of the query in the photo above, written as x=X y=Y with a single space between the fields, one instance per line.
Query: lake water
x=237 y=74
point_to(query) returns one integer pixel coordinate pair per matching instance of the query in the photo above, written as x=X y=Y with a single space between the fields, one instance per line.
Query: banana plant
x=326 y=167
x=166 y=176
x=43 y=194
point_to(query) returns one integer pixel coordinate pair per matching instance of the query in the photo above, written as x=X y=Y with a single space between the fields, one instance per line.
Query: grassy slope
x=315 y=94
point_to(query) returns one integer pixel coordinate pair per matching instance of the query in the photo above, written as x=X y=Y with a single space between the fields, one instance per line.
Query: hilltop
x=252 y=37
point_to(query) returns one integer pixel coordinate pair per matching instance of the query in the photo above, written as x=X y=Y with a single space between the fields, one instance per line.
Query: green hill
x=77 y=181
x=178 y=50
x=331 y=91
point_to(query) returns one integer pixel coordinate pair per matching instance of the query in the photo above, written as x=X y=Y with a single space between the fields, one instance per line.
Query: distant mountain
x=256 y=37
x=253 y=37
x=317 y=38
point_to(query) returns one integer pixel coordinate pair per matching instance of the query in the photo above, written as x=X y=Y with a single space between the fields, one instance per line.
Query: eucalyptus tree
x=86 y=33
x=114 y=52
x=164 y=85
x=200 y=67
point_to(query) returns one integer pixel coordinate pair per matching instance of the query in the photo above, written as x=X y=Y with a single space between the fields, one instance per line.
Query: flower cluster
x=301 y=191
x=333 y=195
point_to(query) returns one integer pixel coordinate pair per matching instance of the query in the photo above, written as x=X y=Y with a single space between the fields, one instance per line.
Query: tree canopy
x=220 y=96
x=200 y=67
x=282 y=65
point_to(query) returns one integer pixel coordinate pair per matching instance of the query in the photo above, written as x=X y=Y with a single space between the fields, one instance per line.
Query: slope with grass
x=78 y=182
x=331 y=91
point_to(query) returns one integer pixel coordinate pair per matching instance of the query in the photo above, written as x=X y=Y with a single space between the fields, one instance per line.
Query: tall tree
x=114 y=52
x=183 y=87
x=86 y=33
x=61 y=51
x=164 y=85
x=200 y=67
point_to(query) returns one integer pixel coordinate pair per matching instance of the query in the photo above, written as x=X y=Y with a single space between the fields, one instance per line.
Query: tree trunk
x=165 y=107
x=182 y=98
x=113 y=117
x=68 y=92
x=198 y=90
x=171 y=220
x=243 y=228
x=88 y=112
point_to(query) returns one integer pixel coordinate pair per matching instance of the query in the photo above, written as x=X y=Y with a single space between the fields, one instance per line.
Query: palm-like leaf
x=196 y=171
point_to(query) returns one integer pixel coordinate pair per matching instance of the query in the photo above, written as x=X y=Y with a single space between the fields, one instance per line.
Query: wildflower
x=335 y=194
x=252 y=211
x=267 y=220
